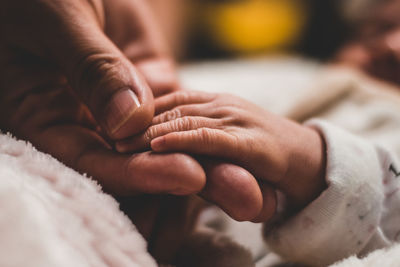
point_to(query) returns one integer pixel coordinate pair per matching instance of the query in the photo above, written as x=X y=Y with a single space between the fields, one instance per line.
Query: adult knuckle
x=97 y=7
x=95 y=73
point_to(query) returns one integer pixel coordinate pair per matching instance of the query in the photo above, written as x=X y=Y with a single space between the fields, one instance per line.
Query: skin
x=61 y=65
x=376 y=47
x=280 y=153
x=57 y=86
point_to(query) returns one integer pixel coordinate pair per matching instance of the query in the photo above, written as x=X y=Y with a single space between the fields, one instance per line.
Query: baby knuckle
x=234 y=140
x=226 y=95
x=224 y=98
x=182 y=97
x=150 y=134
x=205 y=135
x=172 y=115
x=238 y=121
x=225 y=111
x=165 y=116
x=177 y=124
x=185 y=123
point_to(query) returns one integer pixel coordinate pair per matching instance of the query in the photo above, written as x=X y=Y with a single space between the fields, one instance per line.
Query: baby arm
x=277 y=151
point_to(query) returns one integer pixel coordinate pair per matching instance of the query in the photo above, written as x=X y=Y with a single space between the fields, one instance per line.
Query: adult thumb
x=70 y=35
x=112 y=88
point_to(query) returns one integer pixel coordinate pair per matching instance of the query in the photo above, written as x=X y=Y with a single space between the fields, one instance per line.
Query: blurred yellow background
x=232 y=28
x=254 y=25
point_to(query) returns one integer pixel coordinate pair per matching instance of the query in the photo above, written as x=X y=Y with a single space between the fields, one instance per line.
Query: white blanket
x=52 y=216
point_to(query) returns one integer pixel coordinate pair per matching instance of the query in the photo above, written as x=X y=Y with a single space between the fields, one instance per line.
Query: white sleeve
x=358 y=212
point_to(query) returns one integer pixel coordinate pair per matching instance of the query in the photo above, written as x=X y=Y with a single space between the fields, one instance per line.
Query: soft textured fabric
x=52 y=216
x=357 y=214
x=361 y=123
x=389 y=257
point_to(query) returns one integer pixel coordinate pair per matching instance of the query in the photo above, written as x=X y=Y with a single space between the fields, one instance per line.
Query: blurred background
x=210 y=29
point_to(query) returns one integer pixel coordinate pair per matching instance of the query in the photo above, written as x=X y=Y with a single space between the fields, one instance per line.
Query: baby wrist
x=304 y=180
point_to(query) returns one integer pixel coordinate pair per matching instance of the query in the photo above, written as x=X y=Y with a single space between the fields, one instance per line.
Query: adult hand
x=66 y=69
x=63 y=67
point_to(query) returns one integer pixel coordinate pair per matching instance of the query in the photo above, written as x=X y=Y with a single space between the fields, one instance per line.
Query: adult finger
x=121 y=174
x=269 y=204
x=71 y=37
x=233 y=189
x=131 y=25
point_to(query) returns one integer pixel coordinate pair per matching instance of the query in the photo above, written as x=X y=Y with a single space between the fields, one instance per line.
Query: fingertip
x=190 y=173
x=269 y=204
x=250 y=199
x=234 y=189
x=175 y=173
x=134 y=144
x=158 y=143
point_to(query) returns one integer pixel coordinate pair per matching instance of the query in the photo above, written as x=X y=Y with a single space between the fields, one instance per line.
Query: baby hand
x=275 y=150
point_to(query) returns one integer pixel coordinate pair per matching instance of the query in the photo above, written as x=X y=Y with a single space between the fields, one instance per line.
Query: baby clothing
x=358 y=212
